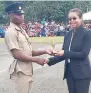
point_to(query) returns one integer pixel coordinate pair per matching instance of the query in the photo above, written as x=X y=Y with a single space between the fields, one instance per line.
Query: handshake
x=43 y=61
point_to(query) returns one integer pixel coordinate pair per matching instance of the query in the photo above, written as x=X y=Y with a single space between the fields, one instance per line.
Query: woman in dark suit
x=75 y=52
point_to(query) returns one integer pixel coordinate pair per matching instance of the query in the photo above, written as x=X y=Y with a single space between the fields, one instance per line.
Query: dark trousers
x=77 y=85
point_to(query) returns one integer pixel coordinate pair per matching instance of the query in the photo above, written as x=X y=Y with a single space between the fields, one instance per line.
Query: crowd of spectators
x=45 y=28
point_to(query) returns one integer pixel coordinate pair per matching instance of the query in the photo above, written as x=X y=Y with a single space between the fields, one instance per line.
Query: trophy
x=53 y=44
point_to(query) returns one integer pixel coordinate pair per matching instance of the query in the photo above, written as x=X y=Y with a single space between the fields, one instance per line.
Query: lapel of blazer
x=77 y=34
x=67 y=40
x=79 y=31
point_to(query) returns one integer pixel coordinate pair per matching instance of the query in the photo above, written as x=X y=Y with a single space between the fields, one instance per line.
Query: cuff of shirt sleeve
x=49 y=62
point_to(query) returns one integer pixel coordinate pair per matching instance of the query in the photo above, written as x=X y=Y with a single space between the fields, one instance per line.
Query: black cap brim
x=17 y=12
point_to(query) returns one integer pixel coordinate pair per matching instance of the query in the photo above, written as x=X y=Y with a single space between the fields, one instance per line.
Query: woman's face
x=74 y=20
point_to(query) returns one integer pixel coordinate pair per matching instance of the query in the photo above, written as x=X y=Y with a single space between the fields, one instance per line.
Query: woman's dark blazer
x=78 y=54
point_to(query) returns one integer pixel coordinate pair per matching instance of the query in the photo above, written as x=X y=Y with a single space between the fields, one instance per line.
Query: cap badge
x=19 y=7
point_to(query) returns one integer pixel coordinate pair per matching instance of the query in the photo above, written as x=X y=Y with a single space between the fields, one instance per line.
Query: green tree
x=37 y=10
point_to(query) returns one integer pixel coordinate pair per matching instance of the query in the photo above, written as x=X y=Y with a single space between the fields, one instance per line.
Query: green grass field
x=47 y=39
x=1 y=40
x=43 y=39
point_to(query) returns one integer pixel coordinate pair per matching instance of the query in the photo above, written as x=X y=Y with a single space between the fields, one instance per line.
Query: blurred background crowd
x=44 y=28
x=45 y=18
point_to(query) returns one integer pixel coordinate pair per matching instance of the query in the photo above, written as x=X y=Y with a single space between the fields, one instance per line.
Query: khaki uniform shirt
x=16 y=38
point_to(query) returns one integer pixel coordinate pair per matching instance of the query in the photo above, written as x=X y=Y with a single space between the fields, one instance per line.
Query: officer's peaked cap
x=15 y=8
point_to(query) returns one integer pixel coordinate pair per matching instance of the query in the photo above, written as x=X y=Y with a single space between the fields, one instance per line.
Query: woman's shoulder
x=87 y=32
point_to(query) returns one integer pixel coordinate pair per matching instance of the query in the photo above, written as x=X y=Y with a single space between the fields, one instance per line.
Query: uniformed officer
x=20 y=47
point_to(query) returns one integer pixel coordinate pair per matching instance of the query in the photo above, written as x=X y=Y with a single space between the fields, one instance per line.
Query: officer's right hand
x=40 y=61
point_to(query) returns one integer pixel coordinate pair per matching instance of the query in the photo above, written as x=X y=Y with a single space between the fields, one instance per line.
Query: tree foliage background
x=50 y=10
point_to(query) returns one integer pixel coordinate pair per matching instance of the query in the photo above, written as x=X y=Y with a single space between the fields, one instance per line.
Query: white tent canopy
x=87 y=16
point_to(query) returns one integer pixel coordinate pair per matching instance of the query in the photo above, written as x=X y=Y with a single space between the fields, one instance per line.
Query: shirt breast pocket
x=24 y=43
